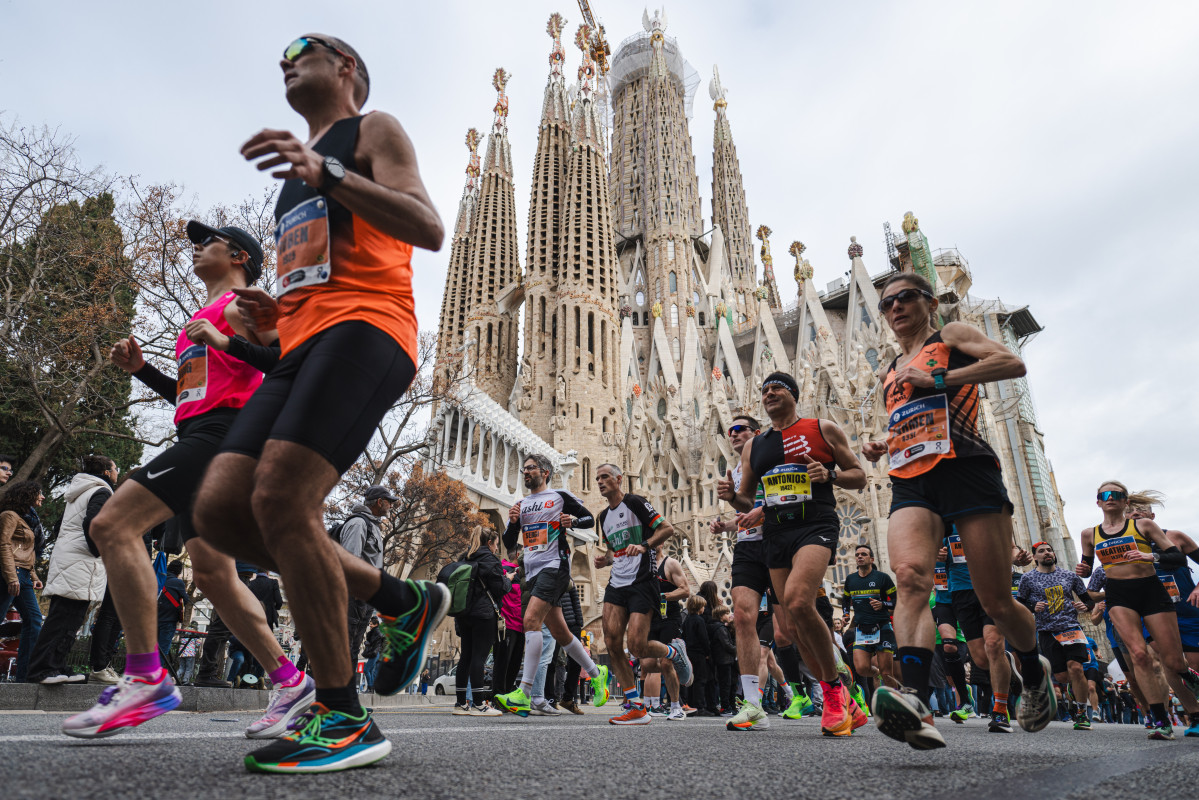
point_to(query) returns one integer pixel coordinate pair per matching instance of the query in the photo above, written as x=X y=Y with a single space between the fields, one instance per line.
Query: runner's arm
x=159 y=383
x=1024 y=594
x=995 y=362
x=1171 y=557
x=574 y=507
x=743 y=497
x=1185 y=543
x=511 y=535
x=1080 y=590
x=262 y=357
x=394 y=199
x=1086 y=565
x=850 y=474
x=674 y=574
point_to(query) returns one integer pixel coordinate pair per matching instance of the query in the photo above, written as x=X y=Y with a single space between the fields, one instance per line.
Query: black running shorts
x=943 y=615
x=885 y=644
x=665 y=629
x=749 y=566
x=1093 y=675
x=327 y=395
x=174 y=474
x=1146 y=596
x=1058 y=653
x=766 y=630
x=782 y=545
x=970 y=614
x=639 y=597
x=955 y=488
x=549 y=585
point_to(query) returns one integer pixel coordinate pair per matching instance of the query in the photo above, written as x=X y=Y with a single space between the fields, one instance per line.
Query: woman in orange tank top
x=942 y=471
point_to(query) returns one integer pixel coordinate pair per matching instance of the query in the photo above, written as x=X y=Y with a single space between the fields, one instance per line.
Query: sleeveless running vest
x=669 y=609
x=928 y=425
x=335 y=267
x=778 y=459
x=753 y=534
x=1110 y=549
x=1179 y=584
x=208 y=378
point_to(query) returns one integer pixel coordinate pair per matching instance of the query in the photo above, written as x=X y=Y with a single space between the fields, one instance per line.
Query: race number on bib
x=956 y=550
x=869 y=638
x=1171 y=584
x=941 y=579
x=192 y=383
x=786 y=485
x=1067 y=638
x=536 y=536
x=918 y=429
x=302 y=246
x=1112 y=551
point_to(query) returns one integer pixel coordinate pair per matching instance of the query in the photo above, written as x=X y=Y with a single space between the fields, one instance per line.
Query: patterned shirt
x=1058 y=589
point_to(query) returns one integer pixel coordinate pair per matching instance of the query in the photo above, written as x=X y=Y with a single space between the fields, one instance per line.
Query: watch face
x=335 y=168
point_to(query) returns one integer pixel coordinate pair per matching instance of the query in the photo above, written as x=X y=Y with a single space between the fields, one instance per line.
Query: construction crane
x=599 y=53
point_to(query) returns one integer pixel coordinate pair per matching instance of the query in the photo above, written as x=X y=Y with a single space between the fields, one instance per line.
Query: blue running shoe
x=682 y=664
x=323 y=740
x=406 y=637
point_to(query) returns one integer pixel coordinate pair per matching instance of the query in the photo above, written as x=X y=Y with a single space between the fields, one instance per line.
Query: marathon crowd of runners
x=277 y=394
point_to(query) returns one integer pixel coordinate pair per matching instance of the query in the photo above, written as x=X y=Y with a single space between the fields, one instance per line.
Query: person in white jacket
x=76 y=575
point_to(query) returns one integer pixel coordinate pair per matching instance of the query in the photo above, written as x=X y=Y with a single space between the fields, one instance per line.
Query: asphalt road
x=436 y=755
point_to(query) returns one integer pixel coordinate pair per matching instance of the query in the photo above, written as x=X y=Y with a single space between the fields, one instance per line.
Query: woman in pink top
x=510 y=647
x=210 y=387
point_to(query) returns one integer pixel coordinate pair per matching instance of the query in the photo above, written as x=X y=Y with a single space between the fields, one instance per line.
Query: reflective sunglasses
x=737 y=429
x=306 y=44
x=1104 y=497
x=904 y=296
x=210 y=238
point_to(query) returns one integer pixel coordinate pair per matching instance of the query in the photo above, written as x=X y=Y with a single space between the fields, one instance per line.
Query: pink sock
x=286 y=673
x=145 y=665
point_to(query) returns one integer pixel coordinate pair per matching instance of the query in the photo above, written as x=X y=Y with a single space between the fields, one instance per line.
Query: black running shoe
x=406 y=637
x=999 y=723
x=323 y=741
x=1016 y=684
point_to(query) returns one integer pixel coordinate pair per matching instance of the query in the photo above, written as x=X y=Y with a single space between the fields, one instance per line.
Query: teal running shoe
x=406 y=637
x=323 y=740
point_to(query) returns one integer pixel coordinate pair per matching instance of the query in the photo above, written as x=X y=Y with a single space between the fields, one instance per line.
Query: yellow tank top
x=1111 y=549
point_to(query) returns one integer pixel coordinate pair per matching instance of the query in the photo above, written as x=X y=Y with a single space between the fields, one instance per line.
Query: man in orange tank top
x=351 y=208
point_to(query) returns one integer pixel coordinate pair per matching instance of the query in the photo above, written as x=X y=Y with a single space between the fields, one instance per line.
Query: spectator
x=76 y=576
x=711 y=595
x=266 y=589
x=476 y=625
x=425 y=677
x=18 y=555
x=724 y=657
x=695 y=636
x=362 y=536
x=370 y=651
x=172 y=600
x=7 y=464
x=187 y=658
x=573 y=612
x=511 y=645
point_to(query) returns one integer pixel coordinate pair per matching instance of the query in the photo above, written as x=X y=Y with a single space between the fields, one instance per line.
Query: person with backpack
x=476 y=623
x=171 y=601
x=361 y=534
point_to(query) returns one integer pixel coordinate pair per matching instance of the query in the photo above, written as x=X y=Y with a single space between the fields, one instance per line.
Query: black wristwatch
x=334 y=172
x=832 y=474
x=939 y=377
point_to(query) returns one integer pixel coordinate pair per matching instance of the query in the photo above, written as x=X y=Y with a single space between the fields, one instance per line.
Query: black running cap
x=197 y=231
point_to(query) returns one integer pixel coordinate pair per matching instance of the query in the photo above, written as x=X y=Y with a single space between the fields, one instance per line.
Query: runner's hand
x=1194 y=598
x=634 y=550
x=817 y=472
x=566 y=521
x=943 y=554
x=1022 y=558
x=1101 y=606
x=724 y=488
x=514 y=512
x=752 y=518
x=259 y=311
x=875 y=604
x=1080 y=605
x=201 y=331
x=1040 y=606
x=1137 y=555
x=302 y=161
x=127 y=354
x=915 y=377
x=1083 y=570
x=716 y=526
x=873 y=451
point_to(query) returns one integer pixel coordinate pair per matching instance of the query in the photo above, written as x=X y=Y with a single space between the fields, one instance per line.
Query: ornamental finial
x=499 y=80
x=716 y=89
x=764 y=235
x=472 y=168
x=910 y=223
x=558 y=55
x=855 y=249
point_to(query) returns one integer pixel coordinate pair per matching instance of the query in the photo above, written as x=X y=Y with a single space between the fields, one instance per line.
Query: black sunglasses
x=212 y=237
x=904 y=296
x=306 y=44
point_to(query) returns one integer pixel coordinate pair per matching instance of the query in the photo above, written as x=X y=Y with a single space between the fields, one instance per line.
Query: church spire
x=453 y=301
x=769 y=285
x=729 y=209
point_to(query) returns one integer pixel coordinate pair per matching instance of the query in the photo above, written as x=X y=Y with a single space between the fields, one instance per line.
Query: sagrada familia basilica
x=646 y=326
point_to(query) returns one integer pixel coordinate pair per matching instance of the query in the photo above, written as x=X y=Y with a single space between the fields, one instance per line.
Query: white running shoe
x=128 y=704
x=676 y=715
x=544 y=709
x=460 y=710
x=106 y=676
x=484 y=710
x=903 y=716
x=748 y=717
x=286 y=703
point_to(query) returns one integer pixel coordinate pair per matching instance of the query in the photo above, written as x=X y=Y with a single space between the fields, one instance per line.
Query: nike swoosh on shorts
x=152 y=475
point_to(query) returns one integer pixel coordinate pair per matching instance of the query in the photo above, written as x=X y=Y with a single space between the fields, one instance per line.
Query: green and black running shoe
x=1162 y=733
x=323 y=740
x=960 y=715
x=1081 y=721
x=406 y=637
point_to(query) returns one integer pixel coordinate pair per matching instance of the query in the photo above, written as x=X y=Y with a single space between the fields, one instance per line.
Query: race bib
x=918 y=429
x=535 y=536
x=956 y=550
x=1171 y=584
x=941 y=579
x=661 y=605
x=786 y=485
x=1112 y=551
x=870 y=638
x=1015 y=584
x=302 y=246
x=192 y=383
x=1067 y=638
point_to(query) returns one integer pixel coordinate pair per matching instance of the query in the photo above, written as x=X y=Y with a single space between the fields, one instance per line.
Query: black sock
x=1158 y=712
x=344 y=699
x=394 y=596
x=916 y=667
x=956 y=671
x=1030 y=667
x=788 y=658
x=461 y=696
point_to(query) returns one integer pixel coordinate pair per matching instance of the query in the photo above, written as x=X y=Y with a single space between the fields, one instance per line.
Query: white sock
x=788 y=695
x=676 y=706
x=749 y=685
x=579 y=653
x=532 y=660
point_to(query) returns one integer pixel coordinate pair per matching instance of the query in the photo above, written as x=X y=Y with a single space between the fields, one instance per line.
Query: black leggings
x=478 y=635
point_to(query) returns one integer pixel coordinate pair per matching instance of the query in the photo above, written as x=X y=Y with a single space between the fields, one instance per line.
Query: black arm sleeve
x=94 y=504
x=1172 y=558
x=1086 y=598
x=511 y=535
x=573 y=506
x=152 y=377
x=262 y=357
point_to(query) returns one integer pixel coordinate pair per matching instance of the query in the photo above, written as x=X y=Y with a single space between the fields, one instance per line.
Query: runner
x=210 y=387
x=1096 y=585
x=796 y=464
x=350 y=210
x=1056 y=596
x=634 y=532
x=539 y=522
x=1094 y=679
x=1136 y=596
x=1180 y=585
x=665 y=627
x=871 y=594
x=950 y=642
x=942 y=471
x=988 y=649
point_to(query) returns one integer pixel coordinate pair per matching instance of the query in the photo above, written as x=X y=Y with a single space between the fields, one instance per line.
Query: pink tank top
x=208 y=378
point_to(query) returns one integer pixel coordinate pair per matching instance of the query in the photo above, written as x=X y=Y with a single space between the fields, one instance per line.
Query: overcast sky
x=1055 y=144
